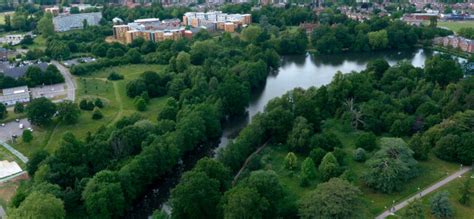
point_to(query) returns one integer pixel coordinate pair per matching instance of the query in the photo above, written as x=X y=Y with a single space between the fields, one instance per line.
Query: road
x=425 y=192
x=69 y=79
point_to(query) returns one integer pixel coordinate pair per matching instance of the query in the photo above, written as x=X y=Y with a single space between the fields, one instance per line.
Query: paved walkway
x=69 y=79
x=425 y=191
x=14 y=152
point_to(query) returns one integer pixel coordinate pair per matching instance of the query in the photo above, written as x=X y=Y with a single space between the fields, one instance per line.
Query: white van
x=21 y=126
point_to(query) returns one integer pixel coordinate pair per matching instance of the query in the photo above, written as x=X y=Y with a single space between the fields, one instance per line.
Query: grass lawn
x=2 y=16
x=456 y=25
x=431 y=171
x=11 y=116
x=117 y=105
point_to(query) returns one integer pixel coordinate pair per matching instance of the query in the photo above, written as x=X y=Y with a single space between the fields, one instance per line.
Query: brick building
x=149 y=29
x=217 y=19
x=455 y=42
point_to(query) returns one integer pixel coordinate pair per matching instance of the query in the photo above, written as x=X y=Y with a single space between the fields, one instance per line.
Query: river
x=302 y=71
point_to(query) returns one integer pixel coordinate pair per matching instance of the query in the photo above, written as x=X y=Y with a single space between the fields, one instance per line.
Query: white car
x=21 y=126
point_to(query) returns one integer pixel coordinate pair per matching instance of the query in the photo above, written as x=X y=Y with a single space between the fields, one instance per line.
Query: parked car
x=21 y=126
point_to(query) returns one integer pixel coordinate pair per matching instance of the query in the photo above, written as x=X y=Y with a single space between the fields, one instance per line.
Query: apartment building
x=217 y=20
x=11 y=96
x=455 y=42
x=66 y=22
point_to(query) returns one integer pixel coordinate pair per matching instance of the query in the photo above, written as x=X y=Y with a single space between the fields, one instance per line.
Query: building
x=53 y=10
x=66 y=22
x=149 y=29
x=11 y=96
x=3 y=54
x=455 y=42
x=222 y=21
x=19 y=71
x=12 y=39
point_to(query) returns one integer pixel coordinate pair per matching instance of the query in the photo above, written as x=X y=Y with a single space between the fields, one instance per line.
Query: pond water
x=301 y=71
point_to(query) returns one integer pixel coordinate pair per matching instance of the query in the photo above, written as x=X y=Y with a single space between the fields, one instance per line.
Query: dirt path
x=247 y=162
x=120 y=103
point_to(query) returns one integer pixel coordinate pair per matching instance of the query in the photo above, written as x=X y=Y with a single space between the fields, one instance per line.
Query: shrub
x=359 y=155
x=19 y=108
x=27 y=136
x=140 y=104
x=96 y=115
x=98 y=103
x=114 y=76
x=366 y=140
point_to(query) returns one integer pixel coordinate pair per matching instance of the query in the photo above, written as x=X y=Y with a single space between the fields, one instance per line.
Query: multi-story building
x=149 y=29
x=11 y=96
x=217 y=19
x=456 y=42
x=66 y=22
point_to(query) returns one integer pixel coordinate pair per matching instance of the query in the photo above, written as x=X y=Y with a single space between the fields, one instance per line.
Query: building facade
x=217 y=19
x=11 y=96
x=152 y=29
x=455 y=42
x=66 y=22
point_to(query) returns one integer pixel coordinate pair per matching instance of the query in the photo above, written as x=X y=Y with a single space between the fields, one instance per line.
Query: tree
x=329 y=167
x=414 y=210
x=251 y=33
x=391 y=167
x=68 y=112
x=136 y=87
x=27 y=136
x=45 y=25
x=378 y=39
x=443 y=69
x=98 y=103
x=140 y=104
x=378 y=67
x=35 y=160
x=366 y=140
x=97 y=114
x=103 y=195
x=196 y=196
x=359 y=155
x=465 y=192
x=317 y=155
x=308 y=171
x=336 y=198
x=244 y=202
x=19 y=108
x=440 y=205
x=183 y=61
x=133 y=56
x=300 y=135
x=39 y=205
x=291 y=161
x=3 y=111
x=40 y=111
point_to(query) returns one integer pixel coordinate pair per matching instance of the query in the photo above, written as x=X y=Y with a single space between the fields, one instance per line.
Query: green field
x=117 y=105
x=455 y=26
x=431 y=171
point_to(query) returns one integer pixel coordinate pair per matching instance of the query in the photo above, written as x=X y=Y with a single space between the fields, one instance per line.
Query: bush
x=86 y=105
x=359 y=155
x=27 y=136
x=317 y=155
x=367 y=141
x=19 y=108
x=114 y=76
x=96 y=115
x=440 y=205
x=98 y=103
x=140 y=104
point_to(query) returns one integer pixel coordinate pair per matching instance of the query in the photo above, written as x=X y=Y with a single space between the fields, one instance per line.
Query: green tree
x=317 y=155
x=27 y=136
x=359 y=155
x=19 y=108
x=291 y=161
x=308 y=171
x=251 y=33
x=68 y=112
x=378 y=39
x=136 y=87
x=40 y=206
x=329 y=167
x=466 y=192
x=440 y=205
x=183 y=61
x=196 y=196
x=98 y=103
x=244 y=202
x=3 y=111
x=300 y=136
x=443 y=69
x=140 y=104
x=414 y=210
x=35 y=160
x=366 y=140
x=97 y=114
x=336 y=198
x=45 y=25
x=103 y=195
x=40 y=111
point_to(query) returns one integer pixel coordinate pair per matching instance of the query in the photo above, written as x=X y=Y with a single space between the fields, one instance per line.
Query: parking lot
x=13 y=128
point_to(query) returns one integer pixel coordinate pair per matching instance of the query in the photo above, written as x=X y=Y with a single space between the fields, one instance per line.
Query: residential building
x=66 y=22
x=19 y=71
x=222 y=21
x=455 y=42
x=11 y=96
x=149 y=29
x=12 y=39
x=3 y=54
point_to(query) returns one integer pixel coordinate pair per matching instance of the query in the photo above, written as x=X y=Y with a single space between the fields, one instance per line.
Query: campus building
x=149 y=29
x=66 y=22
x=11 y=96
x=217 y=20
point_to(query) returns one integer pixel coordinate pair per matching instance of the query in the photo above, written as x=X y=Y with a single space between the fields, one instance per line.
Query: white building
x=76 y=21
x=11 y=96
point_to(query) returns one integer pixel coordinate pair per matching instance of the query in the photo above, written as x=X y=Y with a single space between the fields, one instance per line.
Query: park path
x=69 y=79
x=249 y=158
x=20 y=156
x=425 y=192
x=119 y=101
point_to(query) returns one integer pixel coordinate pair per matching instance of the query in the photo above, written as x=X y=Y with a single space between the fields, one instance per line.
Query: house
x=20 y=71
x=11 y=96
